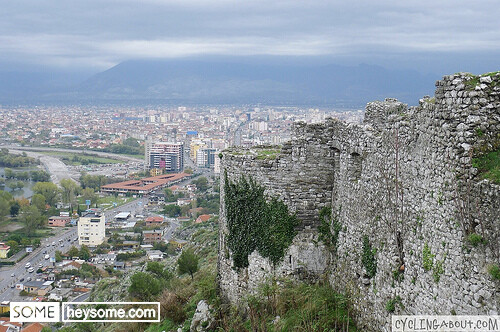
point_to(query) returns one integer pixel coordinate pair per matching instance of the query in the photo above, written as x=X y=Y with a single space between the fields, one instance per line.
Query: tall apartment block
x=164 y=156
x=206 y=157
x=91 y=229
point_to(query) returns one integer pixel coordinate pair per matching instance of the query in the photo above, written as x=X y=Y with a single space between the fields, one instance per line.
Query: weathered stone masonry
x=404 y=179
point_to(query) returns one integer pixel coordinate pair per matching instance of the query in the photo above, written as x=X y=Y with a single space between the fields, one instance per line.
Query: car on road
x=28 y=279
x=28 y=265
x=12 y=274
x=13 y=286
x=47 y=257
x=40 y=265
x=31 y=270
x=21 y=280
x=53 y=243
x=62 y=245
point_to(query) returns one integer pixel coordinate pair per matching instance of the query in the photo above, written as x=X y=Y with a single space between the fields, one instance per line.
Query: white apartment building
x=164 y=155
x=91 y=229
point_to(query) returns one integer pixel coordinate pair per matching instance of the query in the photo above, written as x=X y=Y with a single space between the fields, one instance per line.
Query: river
x=28 y=185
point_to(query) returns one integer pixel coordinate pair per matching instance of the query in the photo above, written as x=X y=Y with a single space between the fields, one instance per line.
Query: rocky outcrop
x=404 y=181
x=202 y=319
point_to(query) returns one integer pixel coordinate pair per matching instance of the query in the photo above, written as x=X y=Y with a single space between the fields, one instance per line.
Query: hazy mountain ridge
x=188 y=81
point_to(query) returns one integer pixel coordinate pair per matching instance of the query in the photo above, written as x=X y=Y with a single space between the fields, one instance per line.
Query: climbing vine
x=329 y=227
x=368 y=258
x=256 y=224
x=427 y=257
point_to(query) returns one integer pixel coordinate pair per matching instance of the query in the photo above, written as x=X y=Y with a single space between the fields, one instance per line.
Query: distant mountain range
x=198 y=81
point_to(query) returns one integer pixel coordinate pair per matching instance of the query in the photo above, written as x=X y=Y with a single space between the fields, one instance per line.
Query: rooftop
x=146 y=184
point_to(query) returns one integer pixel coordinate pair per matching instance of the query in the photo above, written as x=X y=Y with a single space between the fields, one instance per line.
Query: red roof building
x=144 y=186
x=33 y=327
x=202 y=218
x=154 y=221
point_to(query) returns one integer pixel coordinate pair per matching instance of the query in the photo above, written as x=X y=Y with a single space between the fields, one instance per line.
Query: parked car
x=47 y=257
x=31 y=270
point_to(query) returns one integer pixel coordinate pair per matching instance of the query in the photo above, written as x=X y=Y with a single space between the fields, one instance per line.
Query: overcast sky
x=97 y=34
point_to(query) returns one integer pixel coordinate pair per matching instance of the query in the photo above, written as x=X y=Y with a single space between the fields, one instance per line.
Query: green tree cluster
x=172 y=210
x=31 y=217
x=14 y=160
x=201 y=183
x=170 y=197
x=49 y=190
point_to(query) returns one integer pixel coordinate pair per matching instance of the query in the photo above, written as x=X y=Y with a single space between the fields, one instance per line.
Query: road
x=134 y=207
x=170 y=231
x=62 y=241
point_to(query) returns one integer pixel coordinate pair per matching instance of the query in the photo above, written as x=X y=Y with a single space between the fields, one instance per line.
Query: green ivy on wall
x=255 y=224
x=329 y=227
x=368 y=258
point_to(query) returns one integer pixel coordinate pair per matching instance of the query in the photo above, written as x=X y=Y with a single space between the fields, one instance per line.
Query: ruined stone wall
x=403 y=179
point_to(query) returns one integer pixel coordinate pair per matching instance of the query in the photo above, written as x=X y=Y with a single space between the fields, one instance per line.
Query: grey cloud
x=103 y=32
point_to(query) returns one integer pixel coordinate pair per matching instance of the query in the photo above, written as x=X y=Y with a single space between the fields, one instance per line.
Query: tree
x=14 y=208
x=69 y=187
x=158 y=269
x=38 y=201
x=4 y=207
x=188 y=262
x=144 y=286
x=49 y=190
x=39 y=176
x=201 y=183
x=32 y=218
x=84 y=253
x=73 y=252
x=14 y=246
x=36 y=242
x=89 y=194
x=188 y=170
x=172 y=210
x=59 y=256
x=9 y=173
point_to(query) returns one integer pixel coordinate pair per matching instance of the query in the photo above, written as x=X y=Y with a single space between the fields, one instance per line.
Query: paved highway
x=12 y=275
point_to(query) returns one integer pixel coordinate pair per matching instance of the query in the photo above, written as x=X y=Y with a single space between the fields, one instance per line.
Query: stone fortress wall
x=404 y=180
